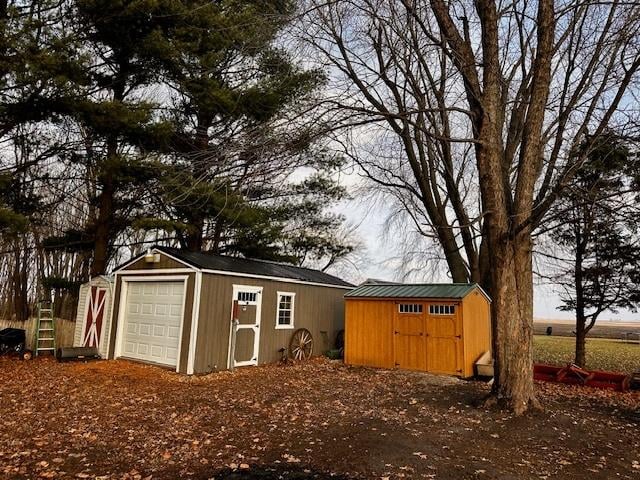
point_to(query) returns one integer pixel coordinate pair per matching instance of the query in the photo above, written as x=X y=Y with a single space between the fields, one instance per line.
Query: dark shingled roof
x=210 y=261
x=422 y=290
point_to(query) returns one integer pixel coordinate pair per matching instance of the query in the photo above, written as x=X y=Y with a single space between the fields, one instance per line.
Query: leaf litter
x=320 y=419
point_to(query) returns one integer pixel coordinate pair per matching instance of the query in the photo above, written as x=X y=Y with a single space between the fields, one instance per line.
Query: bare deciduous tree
x=484 y=98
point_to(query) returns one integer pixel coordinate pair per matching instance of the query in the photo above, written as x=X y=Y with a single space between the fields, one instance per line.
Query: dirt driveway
x=116 y=419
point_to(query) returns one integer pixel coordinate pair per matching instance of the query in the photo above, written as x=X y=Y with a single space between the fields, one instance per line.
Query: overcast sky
x=380 y=260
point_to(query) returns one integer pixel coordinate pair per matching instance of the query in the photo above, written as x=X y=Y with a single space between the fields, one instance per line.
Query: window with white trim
x=442 y=309
x=285 y=309
x=410 y=307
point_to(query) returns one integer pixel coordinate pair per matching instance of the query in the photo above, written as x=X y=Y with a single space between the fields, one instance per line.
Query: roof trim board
x=431 y=291
x=106 y=278
x=277 y=279
x=120 y=271
x=153 y=250
x=484 y=293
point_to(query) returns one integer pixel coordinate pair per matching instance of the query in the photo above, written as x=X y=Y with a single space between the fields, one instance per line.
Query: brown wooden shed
x=177 y=308
x=438 y=328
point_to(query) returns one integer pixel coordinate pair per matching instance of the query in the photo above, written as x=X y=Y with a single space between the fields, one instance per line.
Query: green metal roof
x=416 y=290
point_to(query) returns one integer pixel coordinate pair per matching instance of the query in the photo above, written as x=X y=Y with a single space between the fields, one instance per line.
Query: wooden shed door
x=409 y=337
x=94 y=316
x=444 y=337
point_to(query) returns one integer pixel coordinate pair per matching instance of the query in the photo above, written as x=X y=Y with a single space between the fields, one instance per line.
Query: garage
x=200 y=312
x=153 y=320
x=436 y=328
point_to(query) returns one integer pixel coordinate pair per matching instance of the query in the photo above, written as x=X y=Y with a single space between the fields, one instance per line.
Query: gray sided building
x=176 y=308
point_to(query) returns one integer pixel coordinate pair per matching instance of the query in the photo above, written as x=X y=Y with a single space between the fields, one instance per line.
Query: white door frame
x=124 y=281
x=255 y=327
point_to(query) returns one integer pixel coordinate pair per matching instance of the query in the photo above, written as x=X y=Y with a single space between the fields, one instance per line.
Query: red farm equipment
x=574 y=375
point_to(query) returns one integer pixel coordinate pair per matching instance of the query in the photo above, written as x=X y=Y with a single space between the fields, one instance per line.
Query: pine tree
x=599 y=230
x=38 y=71
x=233 y=152
x=118 y=125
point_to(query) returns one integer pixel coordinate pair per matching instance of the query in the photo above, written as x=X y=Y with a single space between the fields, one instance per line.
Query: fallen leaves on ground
x=321 y=419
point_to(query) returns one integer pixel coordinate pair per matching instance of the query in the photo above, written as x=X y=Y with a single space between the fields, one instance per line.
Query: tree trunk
x=102 y=234
x=581 y=326
x=512 y=316
x=194 y=237
x=457 y=267
x=104 y=228
x=483 y=275
x=217 y=236
x=581 y=321
x=20 y=291
x=581 y=344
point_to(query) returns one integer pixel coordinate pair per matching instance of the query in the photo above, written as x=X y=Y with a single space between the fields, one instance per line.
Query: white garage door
x=152 y=322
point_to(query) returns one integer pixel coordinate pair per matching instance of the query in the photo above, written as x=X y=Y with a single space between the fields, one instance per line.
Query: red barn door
x=94 y=317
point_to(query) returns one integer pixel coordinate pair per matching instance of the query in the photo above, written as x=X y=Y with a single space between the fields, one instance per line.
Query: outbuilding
x=198 y=312
x=93 y=316
x=438 y=328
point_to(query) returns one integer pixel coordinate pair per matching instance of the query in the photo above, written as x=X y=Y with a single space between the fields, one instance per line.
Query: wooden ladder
x=45 y=329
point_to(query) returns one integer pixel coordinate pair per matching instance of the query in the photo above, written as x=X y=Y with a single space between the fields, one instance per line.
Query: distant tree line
x=128 y=123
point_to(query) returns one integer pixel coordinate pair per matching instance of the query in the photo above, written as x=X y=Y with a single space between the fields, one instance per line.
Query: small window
x=410 y=308
x=285 y=309
x=442 y=309
x=247 y=296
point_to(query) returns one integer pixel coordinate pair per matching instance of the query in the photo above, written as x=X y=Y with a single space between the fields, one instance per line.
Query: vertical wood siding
x=82 y=304
x=410 y=341
x=319 y=309
x=369 y=333
x=477 y=325
x=423 y=341
x=445 y=342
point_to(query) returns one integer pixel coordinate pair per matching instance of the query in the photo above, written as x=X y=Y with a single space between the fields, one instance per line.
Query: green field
x=602 y=353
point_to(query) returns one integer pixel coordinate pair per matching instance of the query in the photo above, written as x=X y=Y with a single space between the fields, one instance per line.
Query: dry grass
x=602 y=354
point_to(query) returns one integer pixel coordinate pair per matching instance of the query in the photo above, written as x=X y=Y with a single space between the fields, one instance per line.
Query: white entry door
x=246 y=309
x=153 y=321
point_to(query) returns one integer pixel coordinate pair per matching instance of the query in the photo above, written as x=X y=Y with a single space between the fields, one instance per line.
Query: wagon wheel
x=301 y=344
